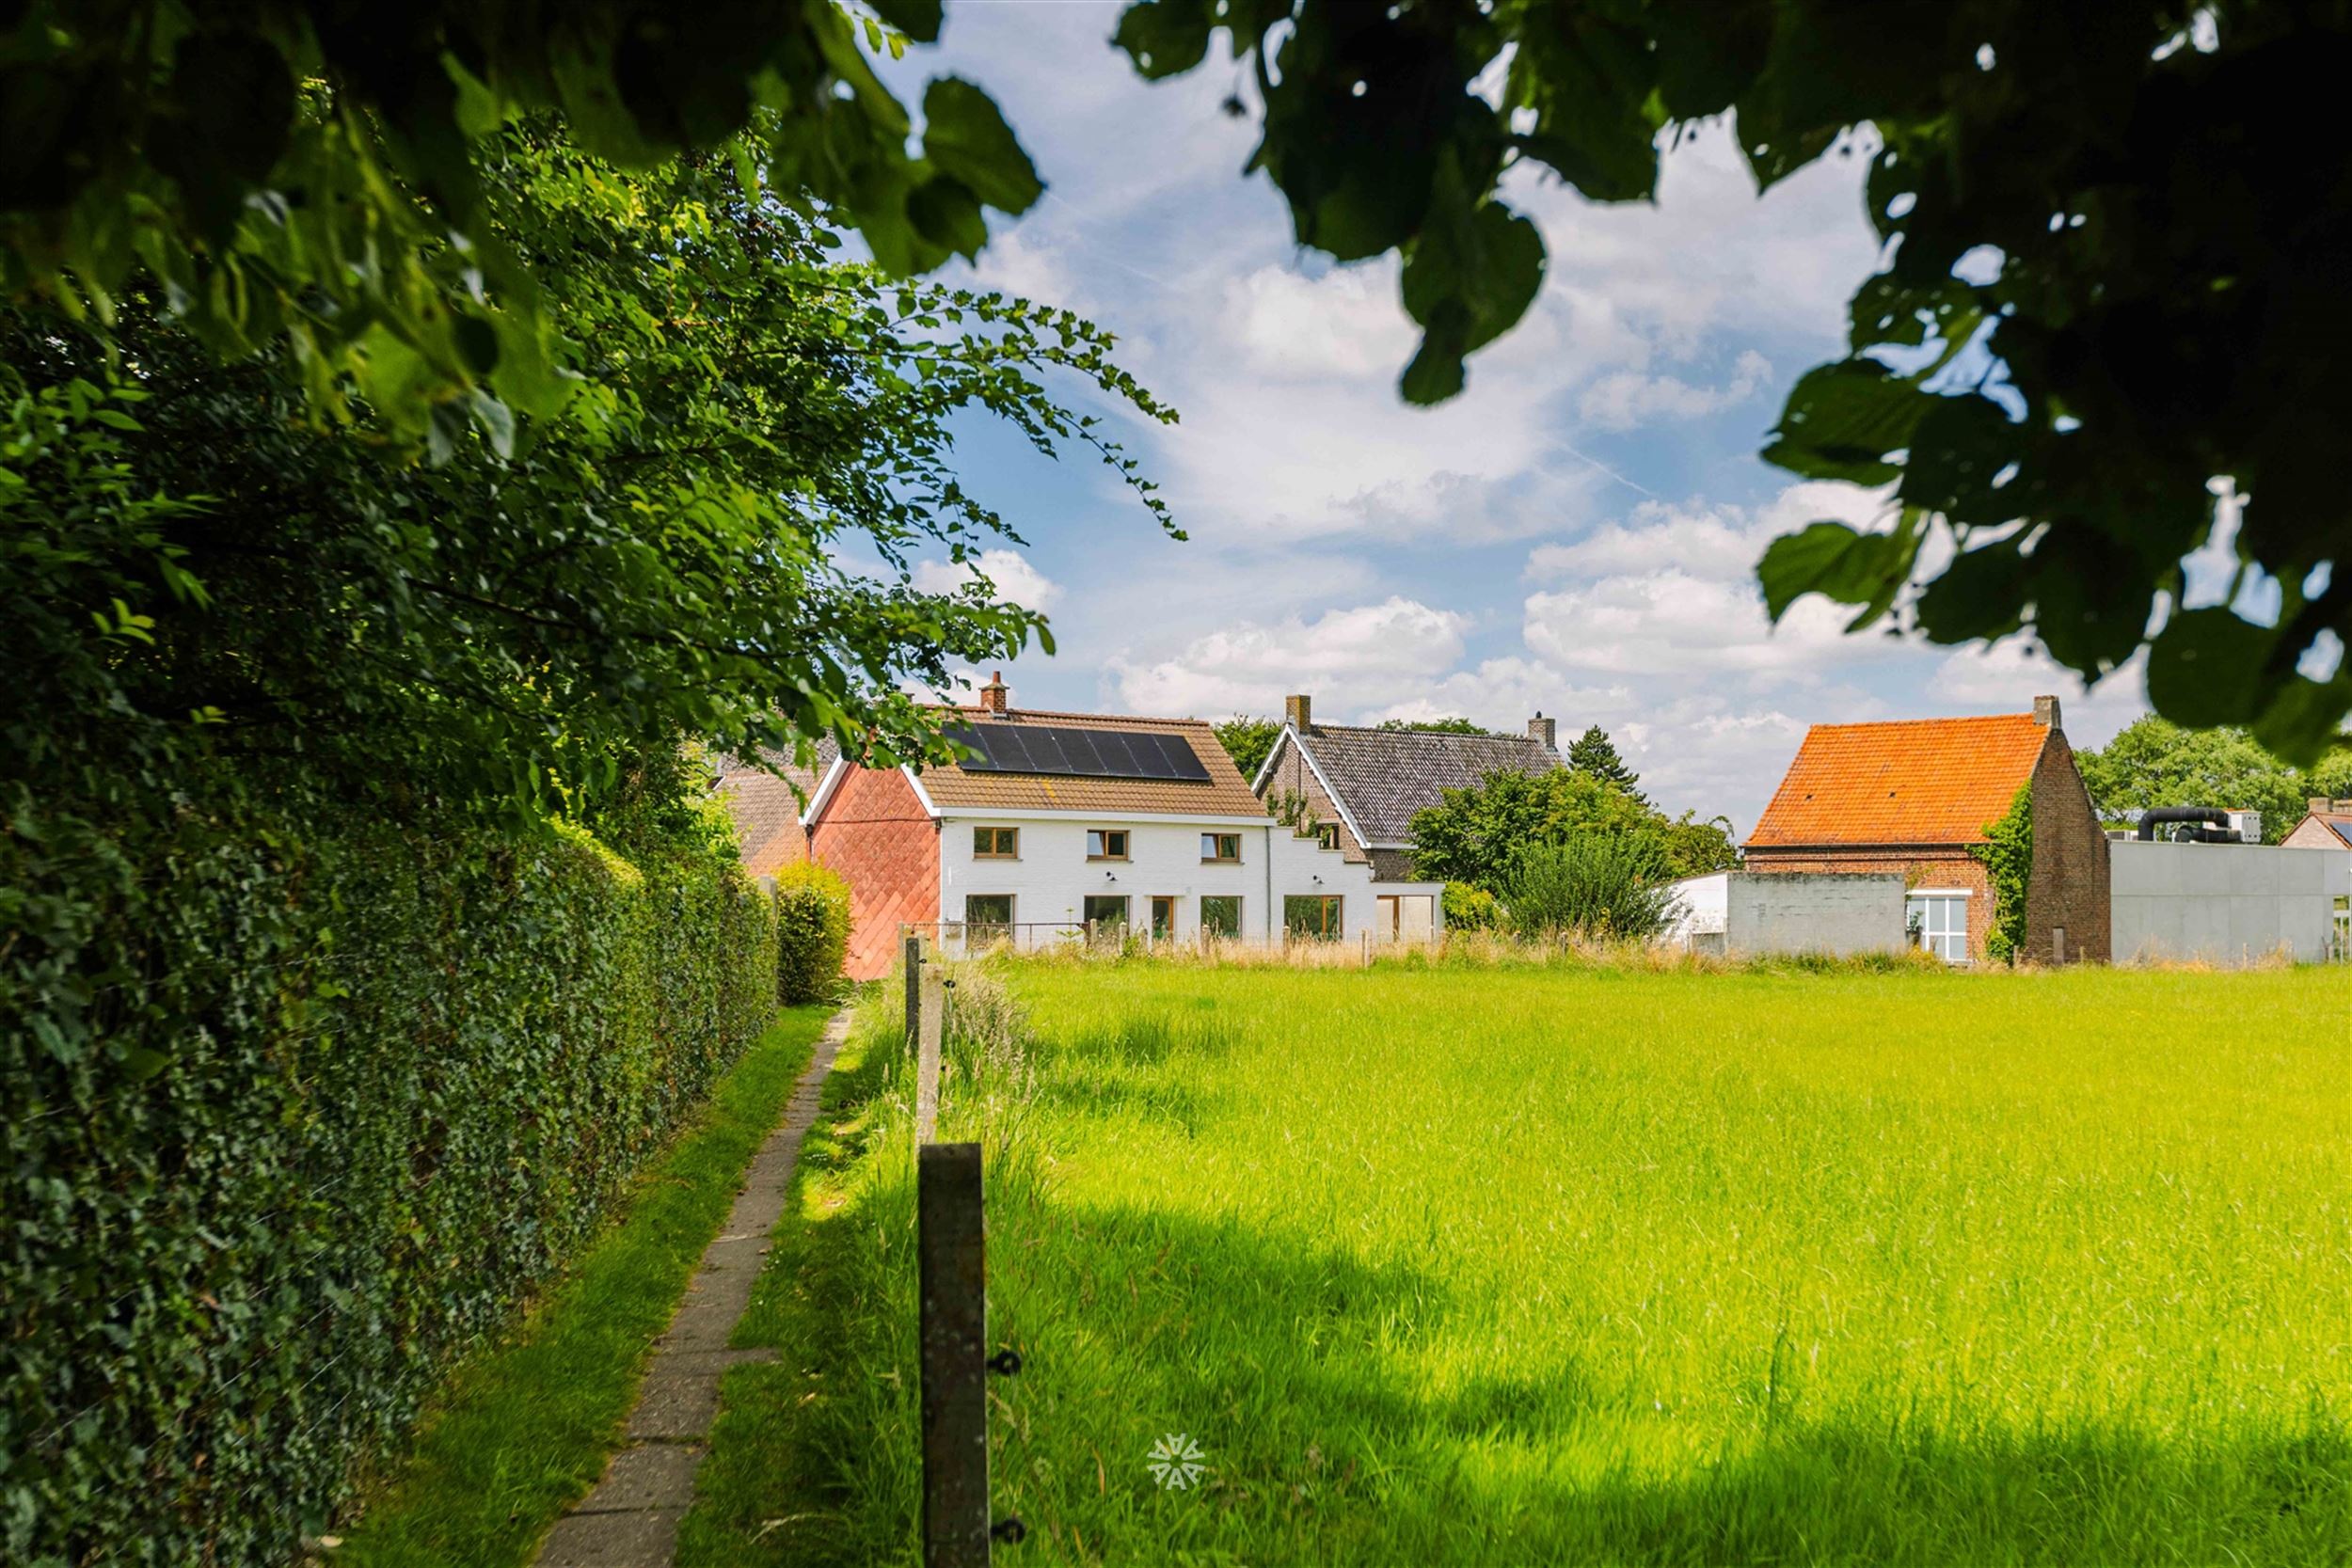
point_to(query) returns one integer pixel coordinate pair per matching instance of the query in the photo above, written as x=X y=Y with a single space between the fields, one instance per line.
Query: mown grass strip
x=521 y=1430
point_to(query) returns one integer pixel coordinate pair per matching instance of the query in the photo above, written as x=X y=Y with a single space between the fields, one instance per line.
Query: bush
x=1471 y=909
x=812 y=932
x=299 y=1101
x=1609 y=888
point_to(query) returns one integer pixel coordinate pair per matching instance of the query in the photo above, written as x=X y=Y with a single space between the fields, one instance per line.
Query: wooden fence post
x=915 y=990
x=932 y=1006
x=952 y=1240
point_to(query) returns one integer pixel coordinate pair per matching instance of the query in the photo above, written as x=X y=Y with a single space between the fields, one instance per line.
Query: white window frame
x=1946 y=943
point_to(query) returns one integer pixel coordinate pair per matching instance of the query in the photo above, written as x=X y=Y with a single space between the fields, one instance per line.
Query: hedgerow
x=812 y=931
x=298 y=1106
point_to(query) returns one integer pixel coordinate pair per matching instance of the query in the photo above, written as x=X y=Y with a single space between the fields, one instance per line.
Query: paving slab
x=630 y=1519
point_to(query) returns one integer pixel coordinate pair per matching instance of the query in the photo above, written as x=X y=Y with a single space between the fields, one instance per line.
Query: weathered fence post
x=932 y=1006
x=915 y=990
x=952 y=1239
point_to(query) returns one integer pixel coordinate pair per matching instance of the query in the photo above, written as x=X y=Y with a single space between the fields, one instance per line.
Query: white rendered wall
x=1053 y=878
x=1814 y=911
x=2224 y=903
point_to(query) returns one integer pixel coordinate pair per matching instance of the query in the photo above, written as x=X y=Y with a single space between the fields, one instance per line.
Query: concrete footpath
x=630 y=1519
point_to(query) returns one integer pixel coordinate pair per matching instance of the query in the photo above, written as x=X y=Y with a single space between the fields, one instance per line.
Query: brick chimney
x=2317 y=803
x=2046 y=712
x=1299 y=710
x=1544 y=730
x=995 y=695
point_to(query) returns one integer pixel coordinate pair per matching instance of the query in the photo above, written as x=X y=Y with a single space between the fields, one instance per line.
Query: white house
x=1067 y=822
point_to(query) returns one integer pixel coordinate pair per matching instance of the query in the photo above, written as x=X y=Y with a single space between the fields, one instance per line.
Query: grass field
x=1522 y=1266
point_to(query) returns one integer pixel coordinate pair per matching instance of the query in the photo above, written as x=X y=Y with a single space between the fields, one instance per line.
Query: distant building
x=1067 y=822
x=1360 y=786
x=766 y=806
x=1914 y=796
x=2327 y=825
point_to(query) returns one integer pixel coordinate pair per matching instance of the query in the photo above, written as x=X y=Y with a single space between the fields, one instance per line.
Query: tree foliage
x=813 y=921
x=676 y=557
x=1476 y=837
x=306 y=173
x=1592 y=752
x=1248 y=741
x=2104 y=294
x=2153 y=761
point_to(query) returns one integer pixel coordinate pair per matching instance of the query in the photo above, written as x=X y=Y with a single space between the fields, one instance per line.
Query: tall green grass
x=1522 y=1266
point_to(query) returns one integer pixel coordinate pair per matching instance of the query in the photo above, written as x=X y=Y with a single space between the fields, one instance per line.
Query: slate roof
x=1382 y=777
x=1225 y=793
x=1917 y=781
x=767 y=813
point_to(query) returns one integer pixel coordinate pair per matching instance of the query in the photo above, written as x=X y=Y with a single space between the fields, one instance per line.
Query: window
x=1311 y=916
x=1106 y=844
x=987 y=914
x=1220 y=848
x=1220 y=916
x=1327 y=835
x=995 y=844
x=1163 y=919
x=1105 y=912
x=1938 y=921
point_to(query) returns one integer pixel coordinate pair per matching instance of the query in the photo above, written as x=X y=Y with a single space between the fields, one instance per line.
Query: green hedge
x=812 y=932
x=298 y=1107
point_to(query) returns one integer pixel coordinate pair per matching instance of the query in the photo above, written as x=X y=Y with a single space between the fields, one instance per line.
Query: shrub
x=300 y=1100
x=812 y=932
x=1609 y=888
x=1471 y=909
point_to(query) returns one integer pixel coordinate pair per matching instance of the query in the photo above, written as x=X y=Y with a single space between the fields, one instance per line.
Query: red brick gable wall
x=875 y=831
x=2069 y=885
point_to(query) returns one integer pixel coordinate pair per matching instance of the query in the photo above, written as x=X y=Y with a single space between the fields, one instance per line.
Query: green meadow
x=1580 y=1264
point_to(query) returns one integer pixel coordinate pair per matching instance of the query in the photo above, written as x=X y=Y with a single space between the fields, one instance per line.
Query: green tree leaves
x=2104 y=291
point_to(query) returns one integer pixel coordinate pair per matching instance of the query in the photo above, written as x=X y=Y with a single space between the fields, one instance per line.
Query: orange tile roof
x=1920 y=781
x=1225 y=794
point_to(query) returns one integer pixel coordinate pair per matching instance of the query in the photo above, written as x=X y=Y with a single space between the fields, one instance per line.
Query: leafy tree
x=557 y=598
x=1476 y=836
x=1592 y=752
x=308 y=172
x=1435 y=726
x=1247 y=741
x=2105 y=291
x=2155 y=761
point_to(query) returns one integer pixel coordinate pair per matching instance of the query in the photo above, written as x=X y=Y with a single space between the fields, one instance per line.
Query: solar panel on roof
x=1062 y=750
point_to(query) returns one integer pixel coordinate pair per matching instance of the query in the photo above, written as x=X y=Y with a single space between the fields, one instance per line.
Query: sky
x=1575 y=534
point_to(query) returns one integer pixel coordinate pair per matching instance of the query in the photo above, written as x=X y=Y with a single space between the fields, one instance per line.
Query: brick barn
x=1916 y=796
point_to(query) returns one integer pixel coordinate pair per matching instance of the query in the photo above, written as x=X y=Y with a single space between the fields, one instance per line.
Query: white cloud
x=1671 y=621
x=1502 y=694
x=2006 y=677
x=1709 y=541
x=1344 y=324
x=1011 y=577
x=1628 y=400
x=1248 y=667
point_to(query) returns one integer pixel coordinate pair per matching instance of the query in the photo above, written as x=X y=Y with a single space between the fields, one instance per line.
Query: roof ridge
x=1056 y=713
x=1426 y=735
x=1949 y=718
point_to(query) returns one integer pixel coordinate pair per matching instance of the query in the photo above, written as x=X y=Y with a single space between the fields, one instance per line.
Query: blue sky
x=1576 y=533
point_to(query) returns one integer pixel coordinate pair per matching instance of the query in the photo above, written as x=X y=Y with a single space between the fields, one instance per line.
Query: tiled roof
x=1225 y=794
x=1383 y=776
x=766 y=811
x=2336 y=823
x=1921 y=781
